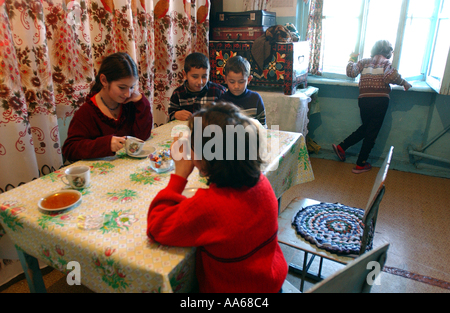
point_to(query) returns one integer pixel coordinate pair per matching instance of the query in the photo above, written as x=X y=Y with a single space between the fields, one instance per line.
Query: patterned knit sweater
x=376 y=75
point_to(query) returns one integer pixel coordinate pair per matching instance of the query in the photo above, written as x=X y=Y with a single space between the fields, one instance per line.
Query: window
x=417 y=29
x=438 y=76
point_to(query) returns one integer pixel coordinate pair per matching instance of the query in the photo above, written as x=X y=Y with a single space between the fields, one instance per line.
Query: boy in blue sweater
x=237 y=76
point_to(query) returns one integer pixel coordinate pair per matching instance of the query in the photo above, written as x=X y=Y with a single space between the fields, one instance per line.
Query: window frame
x=403 y=18
x=441 y=86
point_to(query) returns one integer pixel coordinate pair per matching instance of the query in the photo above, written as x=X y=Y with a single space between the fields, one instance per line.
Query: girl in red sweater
x=114 y=109
x=234 y=222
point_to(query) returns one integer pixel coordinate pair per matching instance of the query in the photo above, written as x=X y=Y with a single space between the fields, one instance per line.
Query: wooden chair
x=288 y=235
x=356 y=277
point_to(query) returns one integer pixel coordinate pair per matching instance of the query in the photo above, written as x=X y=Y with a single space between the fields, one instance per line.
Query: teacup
x=77 y=177
x=133 y=145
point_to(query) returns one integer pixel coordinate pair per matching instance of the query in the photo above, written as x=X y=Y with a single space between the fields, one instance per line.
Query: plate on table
x=189 y=192
x=144 y=153
x=60 y=200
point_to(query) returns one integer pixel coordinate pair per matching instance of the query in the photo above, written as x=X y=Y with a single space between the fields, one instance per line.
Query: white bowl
x=60 y=200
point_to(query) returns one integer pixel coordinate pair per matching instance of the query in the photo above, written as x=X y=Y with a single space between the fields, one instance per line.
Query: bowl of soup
x=60 y=200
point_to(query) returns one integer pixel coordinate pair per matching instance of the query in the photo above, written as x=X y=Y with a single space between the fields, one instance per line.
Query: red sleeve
x=144 y=120
x=176 y=220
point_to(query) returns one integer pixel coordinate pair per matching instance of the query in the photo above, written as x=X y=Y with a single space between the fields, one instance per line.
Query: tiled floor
x=414 y=218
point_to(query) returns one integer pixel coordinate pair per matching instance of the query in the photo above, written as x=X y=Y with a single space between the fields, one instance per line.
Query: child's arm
x=406 y=85
x=261 y=111
x=174 y=104
x=353 y=67
x=391 y=76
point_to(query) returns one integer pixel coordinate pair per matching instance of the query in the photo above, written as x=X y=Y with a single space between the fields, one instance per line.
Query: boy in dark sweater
x=196 y=90
x=237 y=76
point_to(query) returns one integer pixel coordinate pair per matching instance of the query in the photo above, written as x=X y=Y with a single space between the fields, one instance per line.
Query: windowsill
x=419 y=86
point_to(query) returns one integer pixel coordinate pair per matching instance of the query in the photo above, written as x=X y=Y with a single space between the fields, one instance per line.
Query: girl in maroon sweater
x=233 y=223
x=114 y=109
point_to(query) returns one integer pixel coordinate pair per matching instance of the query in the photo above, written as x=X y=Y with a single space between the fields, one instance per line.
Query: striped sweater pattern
x=377 y=74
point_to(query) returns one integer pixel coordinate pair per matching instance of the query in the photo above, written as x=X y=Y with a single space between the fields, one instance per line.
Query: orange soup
x=60 y=200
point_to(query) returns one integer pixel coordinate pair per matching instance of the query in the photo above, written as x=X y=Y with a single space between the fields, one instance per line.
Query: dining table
x=117 y=255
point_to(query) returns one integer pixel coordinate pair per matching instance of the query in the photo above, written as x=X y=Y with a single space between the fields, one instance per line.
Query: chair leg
x=320 y=267
x=304 y=271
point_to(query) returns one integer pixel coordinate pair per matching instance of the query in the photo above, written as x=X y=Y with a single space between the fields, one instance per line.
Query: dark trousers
x=372 y=111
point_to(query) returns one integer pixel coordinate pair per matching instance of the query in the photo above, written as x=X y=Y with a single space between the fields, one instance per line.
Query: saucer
x=143 y=154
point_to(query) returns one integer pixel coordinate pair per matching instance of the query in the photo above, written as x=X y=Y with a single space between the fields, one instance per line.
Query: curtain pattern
x=314 y=36
x=50 y=51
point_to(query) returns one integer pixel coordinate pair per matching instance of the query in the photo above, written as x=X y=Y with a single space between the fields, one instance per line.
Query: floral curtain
x=314 y=36
x=50 y=51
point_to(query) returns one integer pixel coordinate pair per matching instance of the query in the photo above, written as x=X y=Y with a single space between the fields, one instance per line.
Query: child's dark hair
x=197 y=60
x=115 y=66
x=231 y=169
x=237 y=64
x=382 y=47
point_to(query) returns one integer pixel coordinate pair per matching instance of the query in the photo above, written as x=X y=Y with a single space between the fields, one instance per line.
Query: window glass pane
x=441 y=49
x=337 y=45
x=445 y=8
x=415 y=41
x=416 y=37
x=349 y=8
x=340 y=30
x=420 y=8
x=382 y=23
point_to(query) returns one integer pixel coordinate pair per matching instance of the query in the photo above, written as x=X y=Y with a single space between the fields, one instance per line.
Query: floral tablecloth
x=119 y=257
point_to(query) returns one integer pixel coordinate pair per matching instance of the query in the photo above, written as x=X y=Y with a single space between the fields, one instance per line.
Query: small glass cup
x=163 y=166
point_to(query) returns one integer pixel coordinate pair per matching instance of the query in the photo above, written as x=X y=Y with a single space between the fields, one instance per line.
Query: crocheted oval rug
x=331 y=226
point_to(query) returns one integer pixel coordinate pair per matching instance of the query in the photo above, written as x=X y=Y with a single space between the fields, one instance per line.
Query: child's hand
x=353 y=56
x=183 y=165
x=182 y=115
x=134 y=97
x=406 y=85
x=117 y=143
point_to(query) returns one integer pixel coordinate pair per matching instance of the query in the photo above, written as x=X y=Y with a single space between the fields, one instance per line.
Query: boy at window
x=237 y=76
x=196 y=90
x=376 y=75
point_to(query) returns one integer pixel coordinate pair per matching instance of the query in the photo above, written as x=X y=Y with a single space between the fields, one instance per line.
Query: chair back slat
x=379 y=181
x=370 y=221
